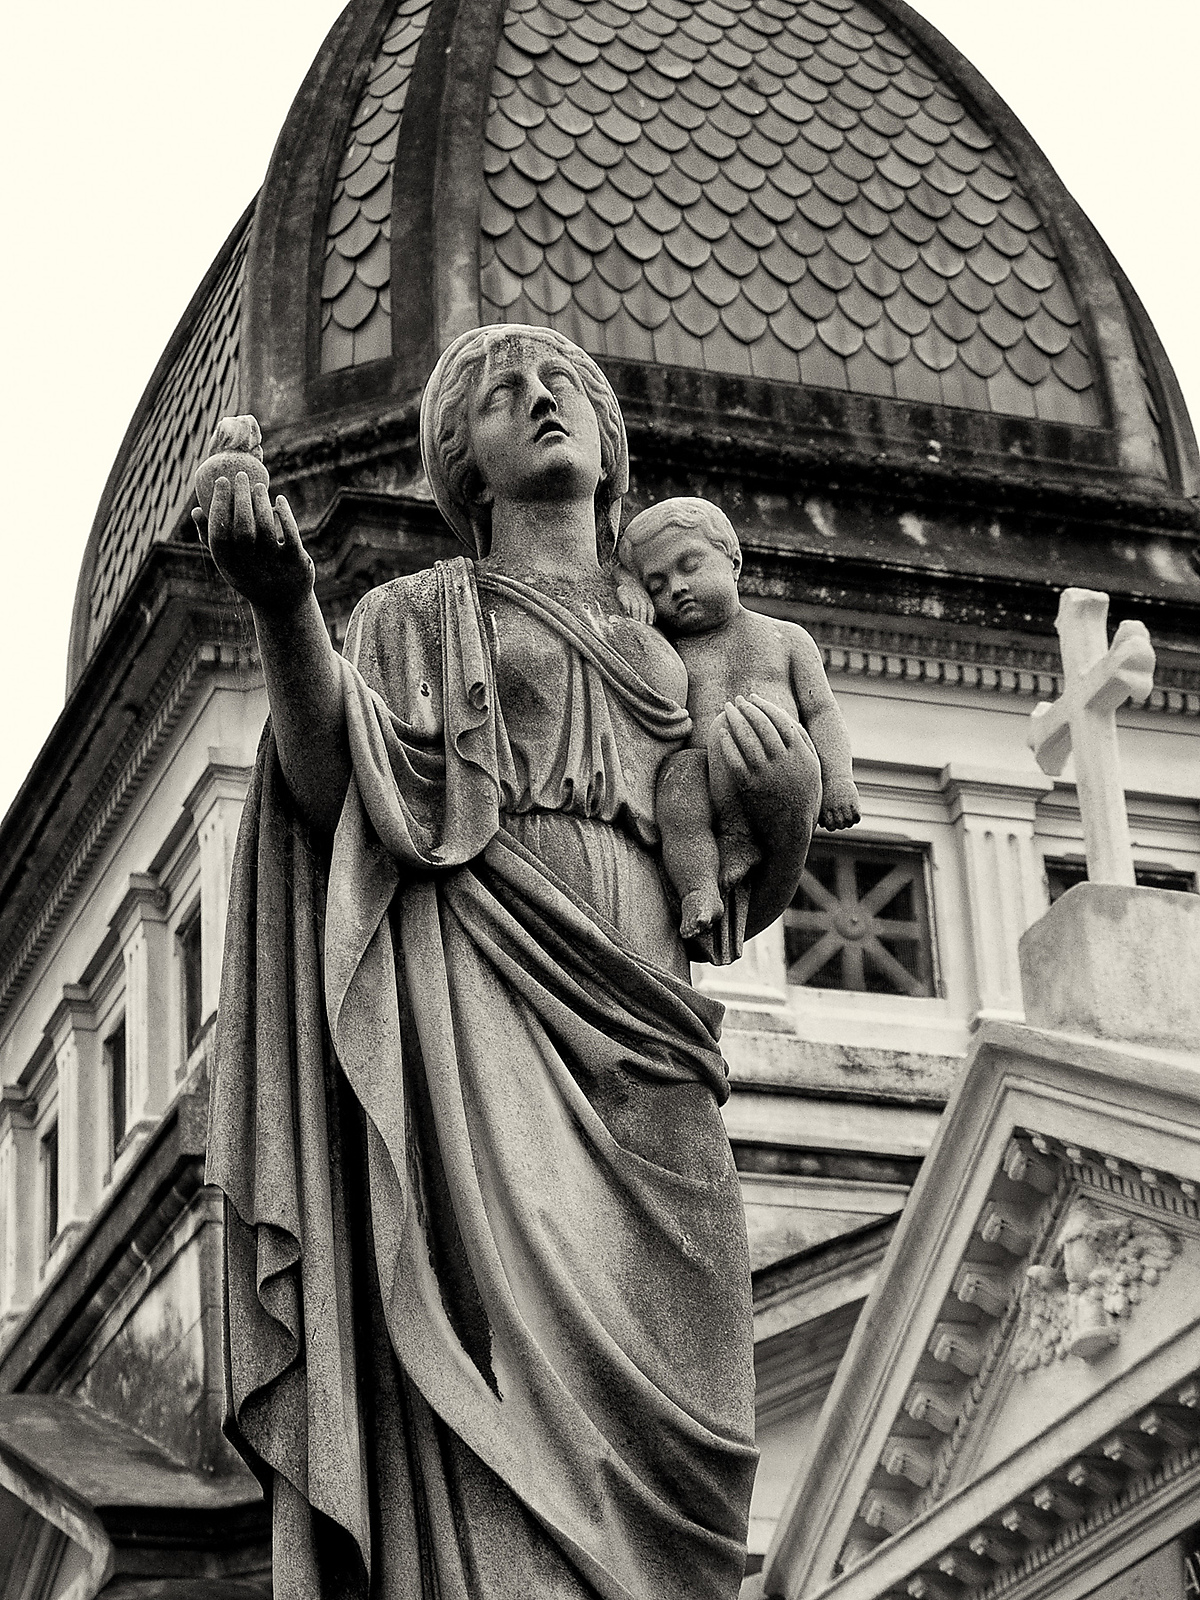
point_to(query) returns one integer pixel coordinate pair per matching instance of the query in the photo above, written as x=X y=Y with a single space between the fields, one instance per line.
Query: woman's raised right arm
x=259 y=552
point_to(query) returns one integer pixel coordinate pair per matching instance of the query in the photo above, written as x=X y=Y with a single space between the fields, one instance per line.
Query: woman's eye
x=654 y=586
x=690 y=563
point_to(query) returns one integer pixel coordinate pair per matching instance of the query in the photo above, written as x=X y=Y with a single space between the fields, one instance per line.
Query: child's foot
x=738 y=854
x=700 y=909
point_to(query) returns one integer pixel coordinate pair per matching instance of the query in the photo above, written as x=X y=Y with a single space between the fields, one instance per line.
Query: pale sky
x=135 y=132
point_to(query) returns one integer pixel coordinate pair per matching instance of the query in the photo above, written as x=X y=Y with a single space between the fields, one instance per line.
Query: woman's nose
x=542 y=401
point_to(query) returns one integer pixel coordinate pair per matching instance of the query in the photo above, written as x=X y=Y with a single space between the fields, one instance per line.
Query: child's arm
x=826 y=728
x=632 y=597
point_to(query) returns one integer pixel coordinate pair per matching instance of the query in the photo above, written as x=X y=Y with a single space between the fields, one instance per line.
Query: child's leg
x=685 y=820
x=737 y=847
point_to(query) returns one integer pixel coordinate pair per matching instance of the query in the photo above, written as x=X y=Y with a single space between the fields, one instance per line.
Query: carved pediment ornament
x=1077 y=1252
x=1102 y=1263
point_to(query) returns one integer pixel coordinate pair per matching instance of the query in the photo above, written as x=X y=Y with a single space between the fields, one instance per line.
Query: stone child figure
x=679 y=565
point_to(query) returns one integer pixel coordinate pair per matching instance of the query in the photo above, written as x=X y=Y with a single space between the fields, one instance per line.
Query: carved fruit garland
x=1105 y=1261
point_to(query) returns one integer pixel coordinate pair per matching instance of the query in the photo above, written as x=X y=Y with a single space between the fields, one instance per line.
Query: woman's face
x=534 y=432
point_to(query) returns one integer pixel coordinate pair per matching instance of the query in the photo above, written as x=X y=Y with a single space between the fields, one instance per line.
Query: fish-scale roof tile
x=356 y=315
x=154 y=489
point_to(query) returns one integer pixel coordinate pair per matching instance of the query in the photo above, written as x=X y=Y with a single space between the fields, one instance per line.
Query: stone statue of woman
x=488 y=1290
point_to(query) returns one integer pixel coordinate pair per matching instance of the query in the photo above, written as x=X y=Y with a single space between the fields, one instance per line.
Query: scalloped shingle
x=155 y=488
x=777 y=188
x=356 y=305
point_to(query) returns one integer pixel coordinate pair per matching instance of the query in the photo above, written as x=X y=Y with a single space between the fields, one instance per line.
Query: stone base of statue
x=1116 y=963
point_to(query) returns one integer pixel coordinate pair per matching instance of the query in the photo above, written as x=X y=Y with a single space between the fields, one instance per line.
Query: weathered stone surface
x=1116 y=962
x=563 y=1319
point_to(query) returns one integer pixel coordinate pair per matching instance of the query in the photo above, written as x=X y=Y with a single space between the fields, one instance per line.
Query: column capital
x=18 y=1109
x=972 y=790
x=144 y=900
x=74 y=1013
x=224 y=778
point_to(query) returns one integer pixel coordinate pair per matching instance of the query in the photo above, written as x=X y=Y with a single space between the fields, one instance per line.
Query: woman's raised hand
x=257 y=547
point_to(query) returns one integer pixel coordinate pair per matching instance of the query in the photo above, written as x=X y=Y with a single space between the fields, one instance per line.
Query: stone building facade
x=839 y=291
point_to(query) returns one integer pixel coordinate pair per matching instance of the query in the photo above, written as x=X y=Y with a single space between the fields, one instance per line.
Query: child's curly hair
x=684 y=511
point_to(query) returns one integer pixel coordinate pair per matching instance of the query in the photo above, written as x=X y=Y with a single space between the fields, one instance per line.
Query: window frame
x=191 y=979
x=863 y=845
x=117 y=1141
x=1145 y=874
x=49 y=1167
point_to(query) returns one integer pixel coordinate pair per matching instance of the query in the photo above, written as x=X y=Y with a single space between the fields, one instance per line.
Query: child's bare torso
x=751 y=654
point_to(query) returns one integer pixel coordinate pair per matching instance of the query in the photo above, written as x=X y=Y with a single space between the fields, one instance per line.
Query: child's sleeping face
x=693 y=584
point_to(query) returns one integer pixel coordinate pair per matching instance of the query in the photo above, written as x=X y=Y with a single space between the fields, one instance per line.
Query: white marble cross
x=1097 y=678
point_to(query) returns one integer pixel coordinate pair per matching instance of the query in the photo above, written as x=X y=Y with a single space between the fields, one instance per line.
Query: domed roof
x=810 y=216
x=149 y=490
x=758 y=187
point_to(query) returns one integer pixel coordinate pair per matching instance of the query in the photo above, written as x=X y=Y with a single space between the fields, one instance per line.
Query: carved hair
x=685 y=511
x=454 y=477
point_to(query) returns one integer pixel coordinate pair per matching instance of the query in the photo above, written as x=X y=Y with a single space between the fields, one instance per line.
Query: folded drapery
x=487 y=1281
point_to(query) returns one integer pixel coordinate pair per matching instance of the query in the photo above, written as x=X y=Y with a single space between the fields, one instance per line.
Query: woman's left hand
x=768 y=755
x=772 y=763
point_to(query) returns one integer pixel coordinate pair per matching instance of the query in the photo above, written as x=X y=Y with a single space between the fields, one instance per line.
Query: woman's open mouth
x=549 y=428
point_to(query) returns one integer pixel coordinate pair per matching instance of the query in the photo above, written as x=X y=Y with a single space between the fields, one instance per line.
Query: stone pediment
x=1020 y=1394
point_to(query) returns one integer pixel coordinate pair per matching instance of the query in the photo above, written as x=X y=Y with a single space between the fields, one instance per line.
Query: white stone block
x=1117 y=963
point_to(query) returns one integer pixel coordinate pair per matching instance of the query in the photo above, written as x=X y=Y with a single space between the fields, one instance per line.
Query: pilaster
x=18 y=1203
x=75 y=1040
x=215 y=804
x=140 y=925
x=994 y=815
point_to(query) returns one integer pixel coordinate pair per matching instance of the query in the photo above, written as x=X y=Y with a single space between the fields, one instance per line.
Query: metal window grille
x=1062 y=875
x=860 y=920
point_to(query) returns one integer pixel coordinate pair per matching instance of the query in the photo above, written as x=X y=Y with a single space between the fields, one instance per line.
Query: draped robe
x=487 y=1279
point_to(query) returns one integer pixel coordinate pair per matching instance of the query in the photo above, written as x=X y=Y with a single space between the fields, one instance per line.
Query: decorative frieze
x=1086 y=1235
x=963 y=663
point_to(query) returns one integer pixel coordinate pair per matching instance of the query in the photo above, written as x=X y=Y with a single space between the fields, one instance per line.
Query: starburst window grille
x=860 y=920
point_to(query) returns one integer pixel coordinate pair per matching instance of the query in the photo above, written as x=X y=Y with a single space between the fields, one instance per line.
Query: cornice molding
x=105 y=806
x=858 y=651
x=1177 y=1479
